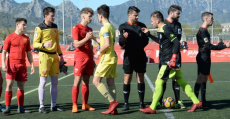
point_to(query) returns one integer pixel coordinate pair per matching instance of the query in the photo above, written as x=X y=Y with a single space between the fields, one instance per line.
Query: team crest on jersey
x=206 y=40
x=171 y=35
x=179 y=31
x=75 y=70
x=140 y=34
x=55 y=30
x=44 y=72
x=25 y=40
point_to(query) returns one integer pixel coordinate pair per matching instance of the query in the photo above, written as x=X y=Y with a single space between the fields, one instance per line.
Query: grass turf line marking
x=167 y=112
x=15 y=97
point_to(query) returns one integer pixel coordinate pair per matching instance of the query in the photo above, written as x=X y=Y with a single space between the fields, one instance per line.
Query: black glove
x=63 y=68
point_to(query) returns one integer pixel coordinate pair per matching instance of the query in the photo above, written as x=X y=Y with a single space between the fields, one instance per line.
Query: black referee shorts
x=204 y=64
x=134 y=63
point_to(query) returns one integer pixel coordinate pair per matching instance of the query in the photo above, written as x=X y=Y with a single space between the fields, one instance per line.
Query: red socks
x=20 y=97
x=75 y=92
x=85 y=93
x=8 y=96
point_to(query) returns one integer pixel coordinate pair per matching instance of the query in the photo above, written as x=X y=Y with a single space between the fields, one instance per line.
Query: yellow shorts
x=106 y=70
x=48 y=64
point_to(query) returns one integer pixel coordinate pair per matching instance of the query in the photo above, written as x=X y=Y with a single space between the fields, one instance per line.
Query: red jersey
x=79 y=33
x=17 y=46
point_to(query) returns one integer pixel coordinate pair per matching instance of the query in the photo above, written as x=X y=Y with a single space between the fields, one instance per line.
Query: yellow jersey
x=109 y=56
x=44 y=33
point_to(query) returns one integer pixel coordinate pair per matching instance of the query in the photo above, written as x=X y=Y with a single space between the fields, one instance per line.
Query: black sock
x=203 y=92
x=141 y=91
x=164 y=88
x=126 y=91
x=176 y=90
x=197 y=89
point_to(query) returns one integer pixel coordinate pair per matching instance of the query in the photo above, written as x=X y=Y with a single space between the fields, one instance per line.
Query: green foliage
x=187 y=30
x=217 y=29
x=149 y=27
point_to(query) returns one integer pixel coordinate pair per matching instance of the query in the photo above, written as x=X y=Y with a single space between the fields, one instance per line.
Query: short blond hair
x=86 y=10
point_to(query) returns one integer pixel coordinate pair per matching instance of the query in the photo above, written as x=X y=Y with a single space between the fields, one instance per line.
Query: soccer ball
x=169 y=103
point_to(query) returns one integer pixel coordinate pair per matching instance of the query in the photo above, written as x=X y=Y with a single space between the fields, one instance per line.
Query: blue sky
x=81 y=3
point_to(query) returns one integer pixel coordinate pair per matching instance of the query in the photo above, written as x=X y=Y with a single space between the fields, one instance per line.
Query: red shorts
x=0 y=73
x=83 y=66
x=17 y=72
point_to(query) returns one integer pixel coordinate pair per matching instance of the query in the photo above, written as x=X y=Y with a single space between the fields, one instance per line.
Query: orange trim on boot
x=74 y=109
x=87 y=107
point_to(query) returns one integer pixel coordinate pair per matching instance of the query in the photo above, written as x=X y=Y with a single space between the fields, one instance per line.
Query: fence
x=188 y=34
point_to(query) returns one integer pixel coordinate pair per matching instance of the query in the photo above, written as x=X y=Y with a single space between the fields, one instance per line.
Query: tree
x=216 y=29
x=187 y=30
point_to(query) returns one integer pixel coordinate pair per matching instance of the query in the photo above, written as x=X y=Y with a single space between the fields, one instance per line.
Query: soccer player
x=173 y=22
x=108 y=62
x=47 y=41
x=17 y=45
x=169 y=48
x=1 y=82
x=133 y=40
x=203 y=57
x=83 y=59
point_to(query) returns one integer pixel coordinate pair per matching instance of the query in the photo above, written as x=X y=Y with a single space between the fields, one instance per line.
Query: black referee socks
x=126 y=91
x=197 y=89
x=141 y=91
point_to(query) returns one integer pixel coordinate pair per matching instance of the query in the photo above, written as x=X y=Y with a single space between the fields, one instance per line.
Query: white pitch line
x=167 y=112
x=37 y=88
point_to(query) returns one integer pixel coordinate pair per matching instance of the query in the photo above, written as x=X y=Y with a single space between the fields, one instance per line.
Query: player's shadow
x=13 y=109
x=134 y=107
x=215 y=104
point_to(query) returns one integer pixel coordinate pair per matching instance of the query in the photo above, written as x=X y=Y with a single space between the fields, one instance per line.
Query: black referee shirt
x=136 y=41
x=203 y=41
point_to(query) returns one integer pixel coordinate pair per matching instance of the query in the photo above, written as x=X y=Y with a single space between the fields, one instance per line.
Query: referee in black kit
x=133 y=40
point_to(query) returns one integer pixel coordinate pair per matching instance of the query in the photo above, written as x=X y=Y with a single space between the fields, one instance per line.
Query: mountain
x=7 y=6
x=191 y=12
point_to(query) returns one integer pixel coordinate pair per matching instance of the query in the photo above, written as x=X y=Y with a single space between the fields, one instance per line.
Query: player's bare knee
x=127 y=78
x=96 y=82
